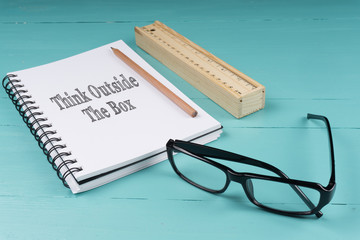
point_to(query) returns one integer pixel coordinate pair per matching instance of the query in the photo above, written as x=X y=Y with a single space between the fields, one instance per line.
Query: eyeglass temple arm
x=331 y=145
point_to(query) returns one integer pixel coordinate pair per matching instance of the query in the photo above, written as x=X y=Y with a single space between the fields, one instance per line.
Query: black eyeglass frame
x=201 y=152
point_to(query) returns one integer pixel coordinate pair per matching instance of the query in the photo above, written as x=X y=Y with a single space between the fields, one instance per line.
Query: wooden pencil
x=153 y=81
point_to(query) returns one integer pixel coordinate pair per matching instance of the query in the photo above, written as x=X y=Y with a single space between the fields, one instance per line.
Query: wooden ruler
x=231 y=89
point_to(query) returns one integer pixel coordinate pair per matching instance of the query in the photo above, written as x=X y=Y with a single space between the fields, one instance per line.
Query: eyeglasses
x=278 y=194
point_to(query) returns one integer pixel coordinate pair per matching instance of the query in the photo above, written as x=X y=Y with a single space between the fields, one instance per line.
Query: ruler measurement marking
x=181 y=54
x=216 y=64
x=241 y=85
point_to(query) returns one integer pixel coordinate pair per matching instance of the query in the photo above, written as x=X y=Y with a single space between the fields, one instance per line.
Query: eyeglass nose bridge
x=246 y=183
x=237 y=177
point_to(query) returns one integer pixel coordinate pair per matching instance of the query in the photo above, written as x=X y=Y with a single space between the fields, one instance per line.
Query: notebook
x=97 y=120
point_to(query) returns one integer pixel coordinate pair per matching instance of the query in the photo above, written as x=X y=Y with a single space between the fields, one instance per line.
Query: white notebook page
x=146 y=122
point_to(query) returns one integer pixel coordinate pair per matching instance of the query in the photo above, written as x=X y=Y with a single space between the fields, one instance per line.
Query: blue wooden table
x=306 y=54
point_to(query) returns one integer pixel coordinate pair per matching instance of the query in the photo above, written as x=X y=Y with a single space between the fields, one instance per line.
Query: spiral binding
x=36 y=122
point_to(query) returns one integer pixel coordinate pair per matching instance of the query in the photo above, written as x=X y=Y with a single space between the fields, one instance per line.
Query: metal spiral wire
x=40 y=128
